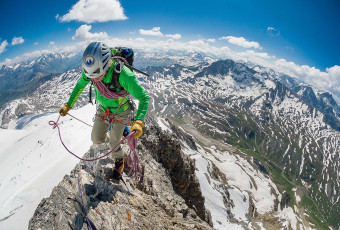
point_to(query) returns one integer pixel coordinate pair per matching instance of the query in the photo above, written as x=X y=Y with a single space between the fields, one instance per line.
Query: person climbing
x=113 y=83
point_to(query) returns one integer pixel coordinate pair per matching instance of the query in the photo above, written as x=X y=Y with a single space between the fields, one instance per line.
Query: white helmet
x=96 y=59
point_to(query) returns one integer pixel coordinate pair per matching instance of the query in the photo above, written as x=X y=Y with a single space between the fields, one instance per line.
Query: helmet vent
x=97 y=71
x=105 y=65
x=103 y=54
x=105 y=59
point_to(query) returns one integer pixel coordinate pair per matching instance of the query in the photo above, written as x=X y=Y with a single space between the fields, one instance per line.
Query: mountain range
x=272 y=126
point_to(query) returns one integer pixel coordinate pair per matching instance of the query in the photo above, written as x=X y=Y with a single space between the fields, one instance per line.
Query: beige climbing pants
x=101 y=128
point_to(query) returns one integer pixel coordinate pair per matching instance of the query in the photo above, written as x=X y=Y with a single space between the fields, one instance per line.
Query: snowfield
x=33 y=161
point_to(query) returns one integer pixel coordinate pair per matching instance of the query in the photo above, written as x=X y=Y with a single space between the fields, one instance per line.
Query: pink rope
x=76 y=119
x=132 y=143
x=104 y=91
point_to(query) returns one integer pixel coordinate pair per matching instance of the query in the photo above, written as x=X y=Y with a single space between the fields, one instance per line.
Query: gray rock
x=160 y=200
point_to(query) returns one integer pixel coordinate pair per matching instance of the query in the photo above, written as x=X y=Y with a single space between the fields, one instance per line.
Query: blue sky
x=302 y=36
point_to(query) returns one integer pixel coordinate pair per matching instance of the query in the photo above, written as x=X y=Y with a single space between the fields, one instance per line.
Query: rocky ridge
x=167 y=197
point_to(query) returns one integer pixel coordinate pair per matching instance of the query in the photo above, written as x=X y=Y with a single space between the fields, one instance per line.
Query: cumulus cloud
x=252 y=53
x=328 y=80
x=156 y=31
x=241 y=41
x=273 y=31
x=83 y=33
x=174 y=36
x=3 y=46
x=211 y=40
x=94 y=11
x=17 y=41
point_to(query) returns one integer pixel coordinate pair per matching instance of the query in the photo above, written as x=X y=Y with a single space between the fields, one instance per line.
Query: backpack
x=114 y=85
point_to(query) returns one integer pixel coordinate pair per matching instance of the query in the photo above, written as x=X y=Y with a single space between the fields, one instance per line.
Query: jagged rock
x=103 y=169
x=158 y=201
x=167 y=150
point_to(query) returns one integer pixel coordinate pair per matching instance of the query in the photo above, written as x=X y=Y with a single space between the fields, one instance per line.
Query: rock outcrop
x=167 y=197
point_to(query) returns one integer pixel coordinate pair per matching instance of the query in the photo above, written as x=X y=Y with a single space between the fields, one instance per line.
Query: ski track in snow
x=33 y=161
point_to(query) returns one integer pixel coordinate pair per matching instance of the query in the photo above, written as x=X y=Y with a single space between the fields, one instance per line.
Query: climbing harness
x=110 y=118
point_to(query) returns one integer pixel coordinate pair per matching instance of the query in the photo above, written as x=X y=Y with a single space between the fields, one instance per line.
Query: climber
x=113 y=109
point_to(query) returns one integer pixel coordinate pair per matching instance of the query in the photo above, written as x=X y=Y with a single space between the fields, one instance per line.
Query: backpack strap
x=90 y=93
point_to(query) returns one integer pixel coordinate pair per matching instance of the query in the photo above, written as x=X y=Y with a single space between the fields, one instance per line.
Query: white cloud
x=211 y=40
x=17 y=41
x=328 y=80
x=140 y=39
x=94 y=11
x=83 y=33
x=273 y=31
x=3 y=46
x=36 y=43
x=155 y=31
x=251 y=54
x=52 y=45
x=174 y=36
x=241 y=41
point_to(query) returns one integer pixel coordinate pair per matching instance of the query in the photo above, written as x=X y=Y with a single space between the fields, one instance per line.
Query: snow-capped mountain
x=238 y=105
x=16 y=81
x=264 y=151
x=48 y=97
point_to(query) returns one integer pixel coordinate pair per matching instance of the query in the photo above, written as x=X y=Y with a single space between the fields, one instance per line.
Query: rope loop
x=132 y=143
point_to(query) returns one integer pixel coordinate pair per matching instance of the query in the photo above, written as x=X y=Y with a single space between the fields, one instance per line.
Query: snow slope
x=238 y=195
x=33 y=161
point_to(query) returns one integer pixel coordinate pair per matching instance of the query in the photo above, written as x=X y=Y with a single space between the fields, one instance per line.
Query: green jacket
x=127 y=80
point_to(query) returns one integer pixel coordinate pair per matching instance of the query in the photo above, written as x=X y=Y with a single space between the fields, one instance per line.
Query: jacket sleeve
x=78 y=89
x=128 y=80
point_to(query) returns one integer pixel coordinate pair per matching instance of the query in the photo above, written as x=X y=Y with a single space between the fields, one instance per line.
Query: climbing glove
x=137 y=127
x=64 y=110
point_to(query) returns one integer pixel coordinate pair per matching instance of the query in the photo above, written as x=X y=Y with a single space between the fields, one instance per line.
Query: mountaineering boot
x=118 y=170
